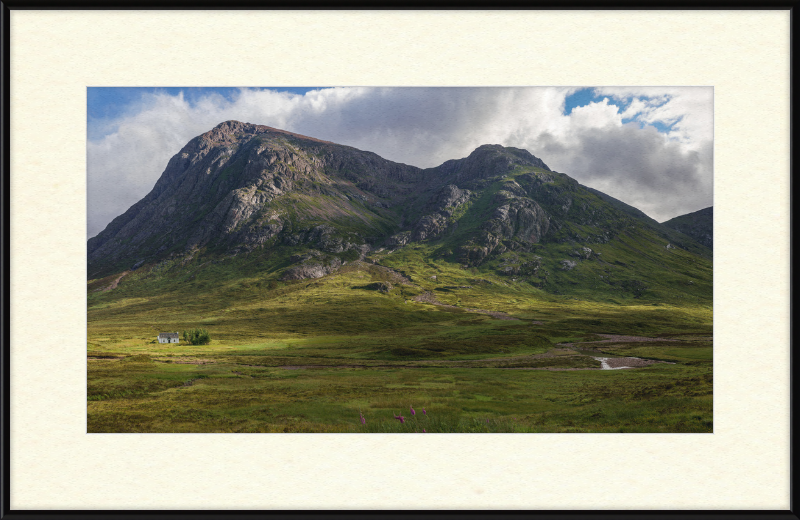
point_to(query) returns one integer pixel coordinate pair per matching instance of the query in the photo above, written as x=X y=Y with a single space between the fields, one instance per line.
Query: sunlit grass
x=365 y=352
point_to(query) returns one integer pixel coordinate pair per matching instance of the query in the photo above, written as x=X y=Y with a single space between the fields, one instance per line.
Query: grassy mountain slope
x=699 y=225
x=672 y=233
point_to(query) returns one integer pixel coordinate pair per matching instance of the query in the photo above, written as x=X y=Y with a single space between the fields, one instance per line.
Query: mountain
x=698 y=225
x=673 y=234
x=241 y=186
x=299 y=207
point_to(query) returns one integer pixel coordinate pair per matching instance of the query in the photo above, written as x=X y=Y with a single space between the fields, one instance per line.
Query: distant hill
x=698 y=225
x=674 y=235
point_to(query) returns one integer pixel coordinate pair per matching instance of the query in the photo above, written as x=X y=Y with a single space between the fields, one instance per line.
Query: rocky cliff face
x=243 y=188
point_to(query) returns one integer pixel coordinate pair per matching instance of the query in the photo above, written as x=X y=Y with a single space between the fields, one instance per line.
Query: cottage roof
x=168 y=335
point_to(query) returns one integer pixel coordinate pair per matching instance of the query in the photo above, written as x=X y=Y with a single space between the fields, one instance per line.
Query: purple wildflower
x=363 y=421
x=412 y=410
x=423 y=430
x=424 y=412
x=400 y=418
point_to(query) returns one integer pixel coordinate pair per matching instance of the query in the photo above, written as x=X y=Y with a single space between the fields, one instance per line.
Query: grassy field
x=317 y=355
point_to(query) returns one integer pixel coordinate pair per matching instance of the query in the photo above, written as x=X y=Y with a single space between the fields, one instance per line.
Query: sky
x=650 y=147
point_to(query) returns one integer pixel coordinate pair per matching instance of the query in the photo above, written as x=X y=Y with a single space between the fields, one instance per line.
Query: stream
x=605 y=366
x=616 y=362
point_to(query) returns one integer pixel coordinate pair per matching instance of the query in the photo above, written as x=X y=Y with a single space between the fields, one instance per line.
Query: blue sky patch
x=585 y=96
x=108 y=103
x=665 y=127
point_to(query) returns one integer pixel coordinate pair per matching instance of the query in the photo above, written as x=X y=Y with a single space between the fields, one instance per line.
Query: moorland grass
x=313 y=355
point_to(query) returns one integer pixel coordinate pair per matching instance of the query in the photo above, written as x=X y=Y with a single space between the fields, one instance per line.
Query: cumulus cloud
x=689 y=108
x=663 y=174
x=637 y=166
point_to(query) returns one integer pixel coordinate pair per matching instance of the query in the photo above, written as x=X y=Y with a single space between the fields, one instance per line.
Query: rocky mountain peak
x=509 y=153
x=490 y=160
x=498 y=157
x=230 y=131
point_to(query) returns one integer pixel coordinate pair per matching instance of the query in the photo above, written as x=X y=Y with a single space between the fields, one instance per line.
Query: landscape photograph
x=400 y=260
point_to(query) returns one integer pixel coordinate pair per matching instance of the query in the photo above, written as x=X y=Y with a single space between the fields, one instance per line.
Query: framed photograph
x=288 y=237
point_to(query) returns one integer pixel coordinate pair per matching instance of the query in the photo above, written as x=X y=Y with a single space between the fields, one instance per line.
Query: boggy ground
x=316 y=355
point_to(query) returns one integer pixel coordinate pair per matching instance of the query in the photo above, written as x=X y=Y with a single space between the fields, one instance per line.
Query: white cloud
x=691 y=107
x=426 y=126
x=638 y=166
x=595 y=115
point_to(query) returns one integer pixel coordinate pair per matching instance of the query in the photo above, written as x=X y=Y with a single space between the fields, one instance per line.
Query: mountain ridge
x=371 y=179
x=310 y=206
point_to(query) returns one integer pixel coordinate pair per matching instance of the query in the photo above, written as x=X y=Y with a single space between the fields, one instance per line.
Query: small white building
x=168 y=337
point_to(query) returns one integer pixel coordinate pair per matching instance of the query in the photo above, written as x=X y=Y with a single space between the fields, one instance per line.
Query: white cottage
x=168 y=337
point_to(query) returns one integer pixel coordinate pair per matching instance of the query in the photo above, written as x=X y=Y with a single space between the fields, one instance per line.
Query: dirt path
x=428 y=297
x=113 y=285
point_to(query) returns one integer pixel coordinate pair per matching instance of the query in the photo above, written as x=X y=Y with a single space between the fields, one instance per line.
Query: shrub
x=197 y=336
